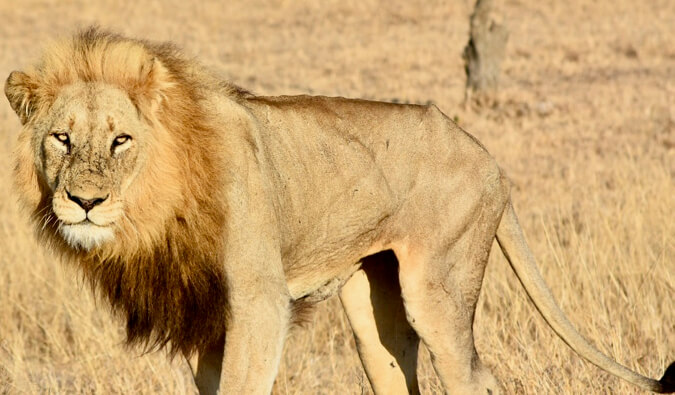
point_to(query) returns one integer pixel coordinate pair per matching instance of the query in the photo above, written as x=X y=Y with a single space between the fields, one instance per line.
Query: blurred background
x=583 y=124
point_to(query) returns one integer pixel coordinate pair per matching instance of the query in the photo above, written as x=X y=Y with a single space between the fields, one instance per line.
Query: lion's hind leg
x=440 y=284
x=386 y=343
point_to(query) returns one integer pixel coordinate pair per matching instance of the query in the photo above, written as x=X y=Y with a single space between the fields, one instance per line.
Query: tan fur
x=220 y=213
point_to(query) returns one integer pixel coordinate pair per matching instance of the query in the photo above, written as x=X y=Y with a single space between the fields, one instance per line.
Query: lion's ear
x=19 y=89
x=155 y=82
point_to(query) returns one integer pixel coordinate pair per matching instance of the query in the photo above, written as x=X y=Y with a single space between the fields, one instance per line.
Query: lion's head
x=120 y=168
x=90 y=112
x=89 y=148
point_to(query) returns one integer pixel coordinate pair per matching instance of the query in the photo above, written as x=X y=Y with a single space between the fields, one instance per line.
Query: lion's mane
x=163 y=272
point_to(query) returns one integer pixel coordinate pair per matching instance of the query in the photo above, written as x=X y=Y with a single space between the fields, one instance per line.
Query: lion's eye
x=120 y=140
x=62 y=138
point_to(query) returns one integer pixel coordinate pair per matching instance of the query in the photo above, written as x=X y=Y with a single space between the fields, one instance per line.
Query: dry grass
x=585 y=128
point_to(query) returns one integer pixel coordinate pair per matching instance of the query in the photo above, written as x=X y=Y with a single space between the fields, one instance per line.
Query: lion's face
x=90 y=149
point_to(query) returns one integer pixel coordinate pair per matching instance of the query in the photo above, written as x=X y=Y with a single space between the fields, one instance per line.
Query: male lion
x=203 y=213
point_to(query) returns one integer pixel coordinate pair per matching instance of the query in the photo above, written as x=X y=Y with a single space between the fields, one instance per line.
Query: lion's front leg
x=258 y=299
x=255 y=334
x=248 y=361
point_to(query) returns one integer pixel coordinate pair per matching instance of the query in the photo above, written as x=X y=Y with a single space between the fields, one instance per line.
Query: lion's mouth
x=85 y=234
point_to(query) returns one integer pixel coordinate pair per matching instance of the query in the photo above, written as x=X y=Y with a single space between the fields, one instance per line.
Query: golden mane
x=163 y=272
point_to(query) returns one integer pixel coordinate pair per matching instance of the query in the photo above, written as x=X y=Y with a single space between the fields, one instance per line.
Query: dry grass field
x=585 y=128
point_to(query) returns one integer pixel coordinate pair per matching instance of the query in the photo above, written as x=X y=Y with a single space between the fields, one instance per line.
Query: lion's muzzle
x=86 y=217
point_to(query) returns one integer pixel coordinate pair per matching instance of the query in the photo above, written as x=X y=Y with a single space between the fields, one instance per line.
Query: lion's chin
x=85 y=235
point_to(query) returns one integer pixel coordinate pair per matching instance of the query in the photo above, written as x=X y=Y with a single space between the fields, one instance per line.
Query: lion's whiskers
x=47 y=219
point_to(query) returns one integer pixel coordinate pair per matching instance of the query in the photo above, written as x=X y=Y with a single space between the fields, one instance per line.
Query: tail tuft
x=668 y=380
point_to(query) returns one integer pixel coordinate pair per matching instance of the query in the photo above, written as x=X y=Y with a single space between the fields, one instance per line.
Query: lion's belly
x=334 y=269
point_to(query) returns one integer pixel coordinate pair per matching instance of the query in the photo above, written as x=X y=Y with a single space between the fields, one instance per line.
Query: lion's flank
x=163 y=273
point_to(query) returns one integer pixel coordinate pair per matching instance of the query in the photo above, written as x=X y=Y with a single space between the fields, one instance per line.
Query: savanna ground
x=585 y=128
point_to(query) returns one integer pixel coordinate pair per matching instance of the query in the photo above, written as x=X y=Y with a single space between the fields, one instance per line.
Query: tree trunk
x=483 y=55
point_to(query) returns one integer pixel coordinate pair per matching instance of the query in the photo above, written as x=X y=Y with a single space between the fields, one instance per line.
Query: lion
x=207 y=216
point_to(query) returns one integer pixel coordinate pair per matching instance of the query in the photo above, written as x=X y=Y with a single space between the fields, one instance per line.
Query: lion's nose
x=86 y=204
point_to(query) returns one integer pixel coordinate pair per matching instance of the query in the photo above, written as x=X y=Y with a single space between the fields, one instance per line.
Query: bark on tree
x=483 y=54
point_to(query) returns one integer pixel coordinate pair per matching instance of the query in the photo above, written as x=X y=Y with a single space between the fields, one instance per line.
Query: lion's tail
x=512 y=242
